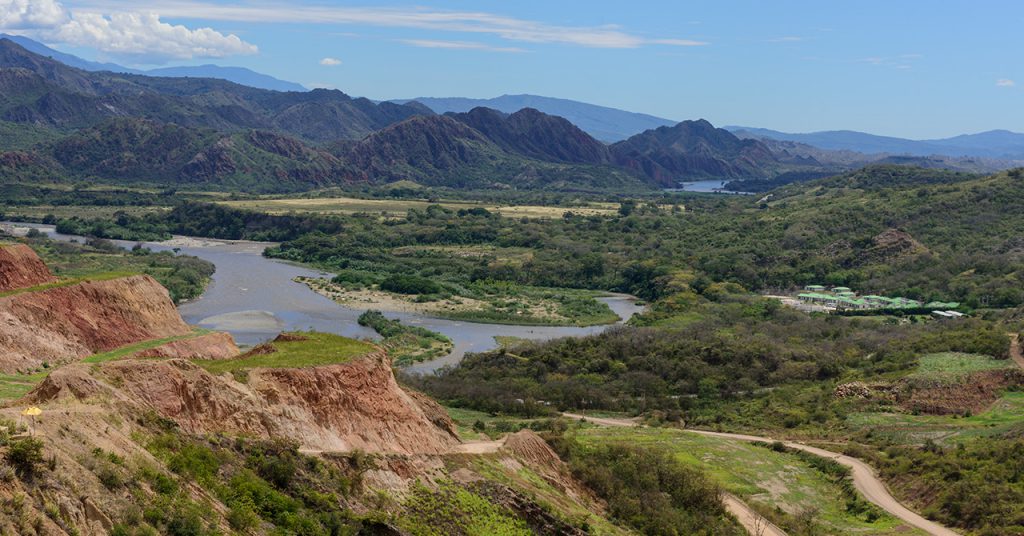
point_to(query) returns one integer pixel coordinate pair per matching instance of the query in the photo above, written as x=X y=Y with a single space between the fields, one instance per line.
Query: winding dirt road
x=1015 y=352
x=864 y=477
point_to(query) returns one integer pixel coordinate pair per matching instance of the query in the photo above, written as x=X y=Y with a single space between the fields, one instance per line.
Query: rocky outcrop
x=216 y=345
x=20 y=267
x=892 y=244
x=356 y=405
x=63 y=324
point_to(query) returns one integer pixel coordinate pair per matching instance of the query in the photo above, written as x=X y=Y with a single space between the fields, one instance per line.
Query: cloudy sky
x=914 y=68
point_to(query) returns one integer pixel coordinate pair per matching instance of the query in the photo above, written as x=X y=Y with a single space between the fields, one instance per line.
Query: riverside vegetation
x=710 y=352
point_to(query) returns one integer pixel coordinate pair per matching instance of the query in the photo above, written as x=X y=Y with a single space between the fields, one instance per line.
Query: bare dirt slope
x=20 y=267
x=64 y=324
x=337 y=408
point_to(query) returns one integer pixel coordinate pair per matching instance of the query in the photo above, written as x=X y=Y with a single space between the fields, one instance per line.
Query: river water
x=255 y=298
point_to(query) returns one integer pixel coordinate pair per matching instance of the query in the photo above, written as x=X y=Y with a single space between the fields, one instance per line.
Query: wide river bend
x=255 y=298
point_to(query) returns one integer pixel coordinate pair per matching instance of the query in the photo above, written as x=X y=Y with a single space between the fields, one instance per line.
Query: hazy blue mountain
x=238 y=75
x=604 y=123
x=1001 y=144
x=67 y=59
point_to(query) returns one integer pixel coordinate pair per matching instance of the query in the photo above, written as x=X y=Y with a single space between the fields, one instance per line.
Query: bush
x=647 y=488
x=25 y=455
x=410 y=284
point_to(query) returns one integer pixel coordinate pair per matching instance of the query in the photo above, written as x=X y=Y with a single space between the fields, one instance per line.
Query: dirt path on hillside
x=864 y=477
x=601 y=421
x=1015 y=351
x=753 y=522
x=479 y=447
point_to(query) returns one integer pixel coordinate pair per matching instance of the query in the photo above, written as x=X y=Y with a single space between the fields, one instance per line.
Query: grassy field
x=89 y=212
x=495 y=426
x=955 y=364
x=762 y=477
x=317 y=349
x=1006 y=415
x=400 y=207
x=130 y=349
x=13 y=386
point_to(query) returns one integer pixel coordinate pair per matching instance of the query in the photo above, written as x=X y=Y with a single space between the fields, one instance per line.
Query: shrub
x=410 y=284
x=25 y=455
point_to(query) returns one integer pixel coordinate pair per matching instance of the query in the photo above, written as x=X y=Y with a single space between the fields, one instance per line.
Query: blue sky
x=917 y=69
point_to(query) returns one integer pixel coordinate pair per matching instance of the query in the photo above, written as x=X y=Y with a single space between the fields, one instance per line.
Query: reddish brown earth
x=64 y=324
x=20 y=267
x=974 y=393
x=356 y=405
x=217 y=345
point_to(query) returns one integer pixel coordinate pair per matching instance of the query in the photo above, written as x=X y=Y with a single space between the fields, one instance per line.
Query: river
x=706 y=186
x=255 y=298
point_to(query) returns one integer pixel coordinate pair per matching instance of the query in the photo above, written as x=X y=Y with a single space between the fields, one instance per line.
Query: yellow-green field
x=399 y=207
x=89 y=212
x=310 y=349
x=764 y=478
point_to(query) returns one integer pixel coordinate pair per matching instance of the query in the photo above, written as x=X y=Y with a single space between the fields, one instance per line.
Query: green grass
x=955 y=364
x=1007 y=414
x=495 y=425
x=107 y=276
x=125 y=351
x=763 y=477
x=453 y=509
x=317 y=350
x=13 y=386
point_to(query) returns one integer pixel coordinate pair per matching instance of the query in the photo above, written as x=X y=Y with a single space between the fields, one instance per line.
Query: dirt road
x=864 y=477
x=754 y=523
x=1015 y=351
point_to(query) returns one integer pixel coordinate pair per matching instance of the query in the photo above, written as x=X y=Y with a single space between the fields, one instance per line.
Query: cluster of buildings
x=843 y=298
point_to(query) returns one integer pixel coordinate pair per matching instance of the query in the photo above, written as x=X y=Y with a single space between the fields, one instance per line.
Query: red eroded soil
x=20 y=267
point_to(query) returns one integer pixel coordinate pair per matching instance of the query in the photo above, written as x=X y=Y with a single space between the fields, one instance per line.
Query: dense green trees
x=647 y=489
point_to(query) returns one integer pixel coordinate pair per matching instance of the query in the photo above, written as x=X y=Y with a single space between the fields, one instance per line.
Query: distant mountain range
x=995 y=144
x=60 y=123
x=238 y=75
x=606 y=124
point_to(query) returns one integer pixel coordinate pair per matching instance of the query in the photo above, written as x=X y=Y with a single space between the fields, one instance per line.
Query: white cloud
x=510 y=28
x=330 y=62
x=786 y=39
x=461 y=45
x=141 y=36
x=29 y=14
x=1005 y=82
x=146 y=36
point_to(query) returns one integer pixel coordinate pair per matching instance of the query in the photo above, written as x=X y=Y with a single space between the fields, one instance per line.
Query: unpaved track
x=864 y=477
x=754 y=523
x=1015 y=351
x=478 y=447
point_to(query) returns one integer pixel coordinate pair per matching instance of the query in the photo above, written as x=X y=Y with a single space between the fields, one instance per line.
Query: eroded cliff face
x=20 y=267
x=64 y=324
x=216 y=345
x=335 y=408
